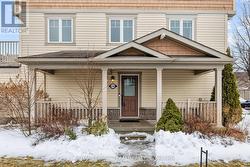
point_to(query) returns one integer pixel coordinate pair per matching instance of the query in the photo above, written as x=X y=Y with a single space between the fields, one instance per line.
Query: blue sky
x=14 y=36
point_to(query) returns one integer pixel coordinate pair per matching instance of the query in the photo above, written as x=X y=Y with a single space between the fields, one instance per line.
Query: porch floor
x=129 y=127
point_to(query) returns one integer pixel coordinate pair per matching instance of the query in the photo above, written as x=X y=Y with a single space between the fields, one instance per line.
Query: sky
x=232 y=23
x=10 y=36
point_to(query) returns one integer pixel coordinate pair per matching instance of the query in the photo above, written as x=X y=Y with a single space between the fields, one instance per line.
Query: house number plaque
x=113 y=86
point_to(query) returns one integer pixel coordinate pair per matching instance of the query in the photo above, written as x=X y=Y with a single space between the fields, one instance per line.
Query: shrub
x=198 y=125
x=232 y=112
x=58 y=126
x=16 y=98
x=98 y=128
x=207 y=129
x=171 y=119
x=70 y=133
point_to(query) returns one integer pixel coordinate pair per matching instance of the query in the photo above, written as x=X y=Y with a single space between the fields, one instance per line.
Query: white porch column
x=104 y=92
x=159 y=94
x=32 y=84
x=218 y=95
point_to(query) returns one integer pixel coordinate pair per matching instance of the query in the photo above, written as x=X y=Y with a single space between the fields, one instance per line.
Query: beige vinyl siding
x=8 y=73
x=177 y=84
x=113 y=94
x=183 y=84
x=90 y=34
x=147 y=23
x=212 y=30
x=12 y=73
x=148 y=89
x=91 y=31
x=63 y=85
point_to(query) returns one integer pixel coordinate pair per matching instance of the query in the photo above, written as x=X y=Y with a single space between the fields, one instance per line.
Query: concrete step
x=132 y=137
x=126 y=130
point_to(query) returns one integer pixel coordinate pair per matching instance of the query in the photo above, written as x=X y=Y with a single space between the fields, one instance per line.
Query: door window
x=129 y=87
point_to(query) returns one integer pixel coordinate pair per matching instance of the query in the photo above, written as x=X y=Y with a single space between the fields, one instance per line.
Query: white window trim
x=60 y=29
x=181 y=25
x=121 y=28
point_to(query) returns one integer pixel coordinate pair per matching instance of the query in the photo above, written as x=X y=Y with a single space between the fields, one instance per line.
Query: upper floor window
x=121 y=30
x=60 y=30
x=182 y=27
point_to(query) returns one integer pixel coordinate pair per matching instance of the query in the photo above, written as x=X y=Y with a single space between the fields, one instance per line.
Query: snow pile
x=181 y=149
x=168 y=148
x=85 y=147
x=244 y=125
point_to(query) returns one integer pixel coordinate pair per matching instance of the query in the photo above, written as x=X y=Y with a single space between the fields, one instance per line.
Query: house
x=243 y=84
x=144 y=52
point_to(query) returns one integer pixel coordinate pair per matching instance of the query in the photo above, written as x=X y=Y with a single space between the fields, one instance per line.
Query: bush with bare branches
x=60 y=125
x=17 y=99
x=207 y=129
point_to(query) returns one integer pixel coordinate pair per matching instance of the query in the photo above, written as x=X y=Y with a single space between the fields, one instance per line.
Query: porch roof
x=69 y=54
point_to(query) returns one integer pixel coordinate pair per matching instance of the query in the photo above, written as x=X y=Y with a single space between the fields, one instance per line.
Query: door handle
x=123 y=103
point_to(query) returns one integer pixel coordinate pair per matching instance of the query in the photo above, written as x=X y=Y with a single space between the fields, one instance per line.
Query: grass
x=222 y=164
x=30 y=162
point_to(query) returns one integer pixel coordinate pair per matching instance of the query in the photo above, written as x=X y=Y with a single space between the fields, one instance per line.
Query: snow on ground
x=244 y=125
x=181 y=149
x=86 y=147
x=162 y=148
x=168 y=149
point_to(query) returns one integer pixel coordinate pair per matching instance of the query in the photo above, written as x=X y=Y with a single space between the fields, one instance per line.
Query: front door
x=129 y=96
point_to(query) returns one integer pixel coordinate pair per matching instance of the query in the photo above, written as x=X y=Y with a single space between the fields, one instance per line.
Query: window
x=121 y=30
x=187 y=29
x=175 y=26
x=60 y=30
x=182 y=27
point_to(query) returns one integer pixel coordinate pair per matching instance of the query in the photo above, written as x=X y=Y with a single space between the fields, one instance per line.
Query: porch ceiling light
x=112 y=78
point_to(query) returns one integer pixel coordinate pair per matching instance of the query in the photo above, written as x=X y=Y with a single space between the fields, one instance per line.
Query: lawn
x=29 y=162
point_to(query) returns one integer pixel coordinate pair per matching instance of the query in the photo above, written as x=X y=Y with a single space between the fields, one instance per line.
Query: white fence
x=9 y=51
x=205 y=110
x=46 y=111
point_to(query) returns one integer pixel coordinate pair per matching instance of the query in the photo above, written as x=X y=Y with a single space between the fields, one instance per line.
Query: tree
x=232 y=111
x=90 y=94
x=171 y=119
x=241 y=39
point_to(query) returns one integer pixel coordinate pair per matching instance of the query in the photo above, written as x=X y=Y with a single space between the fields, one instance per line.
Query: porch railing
x=205 y=110
x=47 y=111
x=9 y=51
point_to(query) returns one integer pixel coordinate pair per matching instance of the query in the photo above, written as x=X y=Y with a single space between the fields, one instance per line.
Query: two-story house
x=144 y=51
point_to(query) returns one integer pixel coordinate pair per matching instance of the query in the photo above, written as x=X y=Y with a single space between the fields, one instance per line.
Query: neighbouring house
x=144 y=51
x=243 y=84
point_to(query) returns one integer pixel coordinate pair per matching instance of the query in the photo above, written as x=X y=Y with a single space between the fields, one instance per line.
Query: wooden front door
x=129 y=96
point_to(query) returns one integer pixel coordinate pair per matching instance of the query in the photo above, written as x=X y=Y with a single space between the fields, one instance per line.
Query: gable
x=164 y=45
x=132 y=52
x=172 y=48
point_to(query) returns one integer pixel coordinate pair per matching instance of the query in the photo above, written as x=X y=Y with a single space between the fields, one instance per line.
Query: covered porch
x=188 y=87
x=135 y=79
